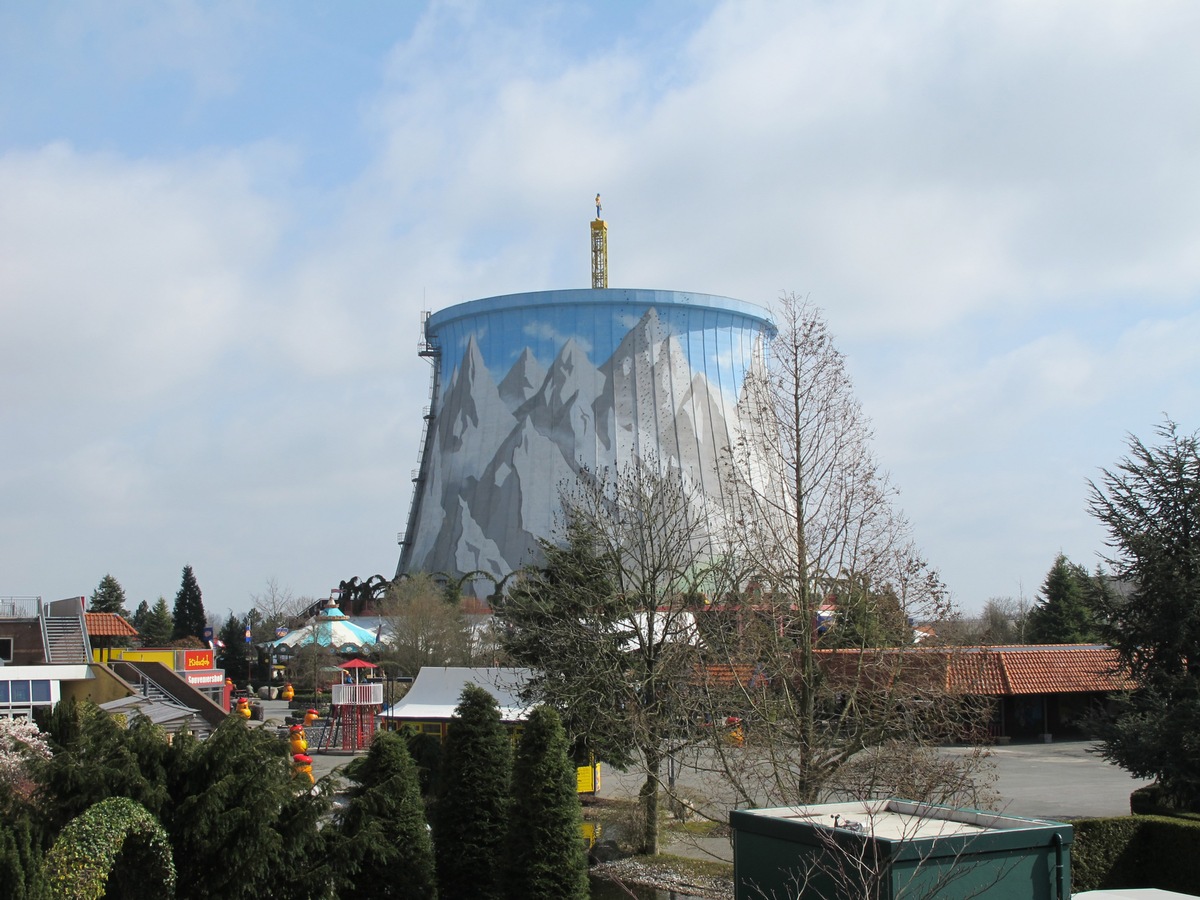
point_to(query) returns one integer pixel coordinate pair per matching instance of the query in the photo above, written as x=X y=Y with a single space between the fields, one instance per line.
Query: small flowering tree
x=21 y=743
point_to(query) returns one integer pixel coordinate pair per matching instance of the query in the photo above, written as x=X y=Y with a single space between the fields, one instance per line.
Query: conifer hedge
x=546 y=858
x=471 y=816
x=385 y=850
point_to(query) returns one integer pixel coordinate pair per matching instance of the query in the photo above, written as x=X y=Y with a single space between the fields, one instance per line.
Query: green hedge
x=1136 y=852
x=114 y=849
x=1152 y=800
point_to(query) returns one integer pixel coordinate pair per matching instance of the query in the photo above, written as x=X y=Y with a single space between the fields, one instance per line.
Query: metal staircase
x=156 y=681
x=430 y=349
x=65 y=640
x=146 y=686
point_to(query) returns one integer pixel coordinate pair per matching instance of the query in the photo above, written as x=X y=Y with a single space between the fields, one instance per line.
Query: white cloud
x=997 y=205
x=126 y=280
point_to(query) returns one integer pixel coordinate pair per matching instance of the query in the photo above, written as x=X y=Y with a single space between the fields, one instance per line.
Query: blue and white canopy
x=330 y=629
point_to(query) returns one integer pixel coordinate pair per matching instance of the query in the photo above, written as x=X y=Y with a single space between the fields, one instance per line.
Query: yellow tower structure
x=599 y=249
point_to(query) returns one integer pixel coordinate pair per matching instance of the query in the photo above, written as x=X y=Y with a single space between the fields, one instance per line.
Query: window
x=6 y=649
x=25 y=692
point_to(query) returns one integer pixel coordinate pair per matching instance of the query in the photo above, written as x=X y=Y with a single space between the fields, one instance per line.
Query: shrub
x=1136 y=851
x=1153 y=800
x=20 y=858
x=1106 y=853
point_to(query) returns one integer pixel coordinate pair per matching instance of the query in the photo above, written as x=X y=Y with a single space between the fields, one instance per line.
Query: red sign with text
x=194 y=660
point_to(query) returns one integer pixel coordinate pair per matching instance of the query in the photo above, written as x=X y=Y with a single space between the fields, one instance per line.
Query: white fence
x=358 y=695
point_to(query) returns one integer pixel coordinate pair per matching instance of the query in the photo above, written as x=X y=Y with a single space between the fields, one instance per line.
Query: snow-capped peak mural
x=533 y=386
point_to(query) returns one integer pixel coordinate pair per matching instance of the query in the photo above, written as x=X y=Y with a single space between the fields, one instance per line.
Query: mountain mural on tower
x=500 y=454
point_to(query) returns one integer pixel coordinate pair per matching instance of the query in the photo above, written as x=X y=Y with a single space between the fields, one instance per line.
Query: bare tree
x=421 y=627
x=671 y=631
x=814 y=515
x=274 y=607
x=1003 y=620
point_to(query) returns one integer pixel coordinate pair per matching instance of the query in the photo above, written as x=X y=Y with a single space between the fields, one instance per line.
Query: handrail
x=20 y=607
x=45 y=634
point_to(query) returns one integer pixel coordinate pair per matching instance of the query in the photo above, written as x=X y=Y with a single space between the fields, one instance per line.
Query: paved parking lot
x=1057 y=780
x=1060 y=780
x=1042 y=781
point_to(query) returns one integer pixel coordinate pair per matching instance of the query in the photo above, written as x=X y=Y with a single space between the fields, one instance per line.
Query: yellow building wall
x=101 y=688
x=109 y=654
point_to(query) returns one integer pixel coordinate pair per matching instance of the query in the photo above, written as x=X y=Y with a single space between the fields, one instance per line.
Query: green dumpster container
x=897 y=850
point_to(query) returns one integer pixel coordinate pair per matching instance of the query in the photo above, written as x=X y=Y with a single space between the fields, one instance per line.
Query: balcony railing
x=20 y=607
x=358 y=695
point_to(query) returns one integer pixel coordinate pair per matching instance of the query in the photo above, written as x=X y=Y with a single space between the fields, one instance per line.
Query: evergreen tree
x=156 y=628
x=20 y=859
x=240 y=828
x=570 y=610
x=94 y=760
x=109 y=597
x=188 y=618
x=866 y=618
x=426 y=753
x=233 y=656
x=1150 y=506
x=140 y=615
x=383 y=831
x=471 y=816
x=1063 y=616
x=546 y=859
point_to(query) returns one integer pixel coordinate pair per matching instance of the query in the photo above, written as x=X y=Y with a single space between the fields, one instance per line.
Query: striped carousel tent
x=330 y=629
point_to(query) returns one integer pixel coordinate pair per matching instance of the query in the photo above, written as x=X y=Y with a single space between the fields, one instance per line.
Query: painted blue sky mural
x=547 y=383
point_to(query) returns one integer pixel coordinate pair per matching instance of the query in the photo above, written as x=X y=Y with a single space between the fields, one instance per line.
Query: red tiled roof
x=980 y=671
x=1063 y=669
x=107 y=625
x=986 y=671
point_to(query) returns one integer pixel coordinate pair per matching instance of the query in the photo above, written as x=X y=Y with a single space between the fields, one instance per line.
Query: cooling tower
x=528 y=387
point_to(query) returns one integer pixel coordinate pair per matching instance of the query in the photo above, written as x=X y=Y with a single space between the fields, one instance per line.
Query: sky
x=220 y=224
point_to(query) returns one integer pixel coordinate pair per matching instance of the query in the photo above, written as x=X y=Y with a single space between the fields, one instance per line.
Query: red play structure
x=356 y=703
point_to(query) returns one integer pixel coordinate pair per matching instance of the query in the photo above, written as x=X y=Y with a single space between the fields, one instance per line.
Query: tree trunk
x=648 y=802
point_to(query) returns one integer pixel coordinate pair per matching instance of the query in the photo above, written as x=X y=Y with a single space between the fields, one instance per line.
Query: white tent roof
x=436 y=691
x=646 y=628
